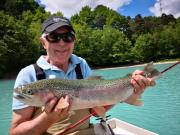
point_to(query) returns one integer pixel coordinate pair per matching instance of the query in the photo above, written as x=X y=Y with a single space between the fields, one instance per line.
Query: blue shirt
x=28 y=75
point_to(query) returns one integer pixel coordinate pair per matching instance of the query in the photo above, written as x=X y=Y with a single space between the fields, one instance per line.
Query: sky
x=124 y=7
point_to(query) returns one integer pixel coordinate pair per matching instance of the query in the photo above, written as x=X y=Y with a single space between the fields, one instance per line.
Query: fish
x=85 y=93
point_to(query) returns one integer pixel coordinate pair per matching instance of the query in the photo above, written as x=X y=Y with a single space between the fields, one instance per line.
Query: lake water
x=160 y=113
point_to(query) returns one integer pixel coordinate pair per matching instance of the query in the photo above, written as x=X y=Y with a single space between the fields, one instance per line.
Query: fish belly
x=99 y=97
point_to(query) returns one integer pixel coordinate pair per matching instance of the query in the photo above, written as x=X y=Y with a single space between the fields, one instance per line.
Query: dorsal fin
x=134 y=99
x=95 y=78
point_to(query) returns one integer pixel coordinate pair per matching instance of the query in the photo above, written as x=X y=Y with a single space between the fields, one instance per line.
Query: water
x=160 y=113
x=5 y=105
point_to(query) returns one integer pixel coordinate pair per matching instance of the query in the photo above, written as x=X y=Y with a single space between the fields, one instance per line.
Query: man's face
x=59 y=50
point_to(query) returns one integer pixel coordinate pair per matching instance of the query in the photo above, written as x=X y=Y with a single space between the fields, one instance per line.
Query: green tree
x=100 y=16
x=145 y=49
x=176 y=32
x=16 y=41
x=166 y=19
x=82 y=44
x=102 y=47
x=168 y=41
x=16 y=7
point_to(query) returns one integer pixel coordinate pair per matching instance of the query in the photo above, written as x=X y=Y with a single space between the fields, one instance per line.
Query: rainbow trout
x=85 y=93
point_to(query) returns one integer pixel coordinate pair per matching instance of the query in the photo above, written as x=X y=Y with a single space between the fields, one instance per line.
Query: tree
x=152 y=23
x=16 y=43
x=16 y=7
x=102 y=47
x=176 y=48
x=166 y=19
x=82 y=44
x=169 y=41
x=145 y=49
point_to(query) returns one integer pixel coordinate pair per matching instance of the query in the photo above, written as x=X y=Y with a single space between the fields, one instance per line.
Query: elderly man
x=58 y=37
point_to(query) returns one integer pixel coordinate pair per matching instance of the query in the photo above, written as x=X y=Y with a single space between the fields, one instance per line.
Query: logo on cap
x=57 y=19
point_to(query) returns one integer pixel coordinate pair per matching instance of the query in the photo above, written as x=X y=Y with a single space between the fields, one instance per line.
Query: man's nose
x=61 y=42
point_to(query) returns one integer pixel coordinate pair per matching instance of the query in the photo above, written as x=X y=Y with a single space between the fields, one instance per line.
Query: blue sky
x=124 y=7
x=137 y=7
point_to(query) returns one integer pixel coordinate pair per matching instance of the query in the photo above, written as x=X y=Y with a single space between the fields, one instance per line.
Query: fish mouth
x=19 y=97
x=27 y=100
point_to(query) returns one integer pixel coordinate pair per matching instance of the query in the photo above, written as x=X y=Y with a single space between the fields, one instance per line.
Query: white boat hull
x=120 y=127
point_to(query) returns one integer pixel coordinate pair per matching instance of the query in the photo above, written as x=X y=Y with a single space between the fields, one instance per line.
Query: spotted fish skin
x=85 y=93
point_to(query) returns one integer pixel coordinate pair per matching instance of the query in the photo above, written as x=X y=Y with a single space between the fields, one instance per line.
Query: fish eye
x=30 y=92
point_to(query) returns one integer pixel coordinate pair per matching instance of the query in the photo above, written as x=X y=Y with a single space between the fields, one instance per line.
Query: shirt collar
x=41 y=62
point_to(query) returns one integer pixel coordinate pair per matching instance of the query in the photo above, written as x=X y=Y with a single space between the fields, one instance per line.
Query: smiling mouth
x=61 y=51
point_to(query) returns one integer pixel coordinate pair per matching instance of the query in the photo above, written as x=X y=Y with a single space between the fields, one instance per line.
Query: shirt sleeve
x=25 y=76
x=86 y=70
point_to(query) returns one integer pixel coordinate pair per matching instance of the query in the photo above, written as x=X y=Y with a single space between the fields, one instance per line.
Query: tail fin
x=151 y=72
x=134 y=99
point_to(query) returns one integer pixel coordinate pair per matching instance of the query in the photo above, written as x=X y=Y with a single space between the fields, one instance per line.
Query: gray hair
x=43 y=35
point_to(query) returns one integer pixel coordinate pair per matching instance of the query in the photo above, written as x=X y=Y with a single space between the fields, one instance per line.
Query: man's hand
x=140 y=82
x=57 y=109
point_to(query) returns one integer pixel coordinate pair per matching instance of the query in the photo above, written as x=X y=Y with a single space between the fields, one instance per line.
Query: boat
x=119 y=127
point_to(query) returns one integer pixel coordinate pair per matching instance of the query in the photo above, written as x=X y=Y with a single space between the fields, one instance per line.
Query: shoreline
x=136 y=65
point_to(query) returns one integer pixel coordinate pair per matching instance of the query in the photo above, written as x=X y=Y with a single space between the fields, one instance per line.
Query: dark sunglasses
x=67 y=37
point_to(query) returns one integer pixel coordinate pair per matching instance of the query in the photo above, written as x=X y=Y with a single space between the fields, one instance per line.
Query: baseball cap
x=55 y=22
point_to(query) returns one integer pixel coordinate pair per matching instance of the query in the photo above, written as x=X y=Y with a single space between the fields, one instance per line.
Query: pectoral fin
x=134 y=100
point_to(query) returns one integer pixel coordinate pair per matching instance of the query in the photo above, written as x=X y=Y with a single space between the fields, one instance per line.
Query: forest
x=104 y=37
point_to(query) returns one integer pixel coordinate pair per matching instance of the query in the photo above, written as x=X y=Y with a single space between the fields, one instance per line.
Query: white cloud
x=167 y=7
x=71 y=7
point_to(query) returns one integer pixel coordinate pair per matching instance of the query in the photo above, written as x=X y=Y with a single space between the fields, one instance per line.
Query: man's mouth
x=62 y=51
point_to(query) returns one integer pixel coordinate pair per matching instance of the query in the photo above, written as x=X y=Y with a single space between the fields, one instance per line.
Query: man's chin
x=62 y=57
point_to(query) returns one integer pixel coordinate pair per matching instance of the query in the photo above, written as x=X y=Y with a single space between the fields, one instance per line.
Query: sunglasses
x=54 y=37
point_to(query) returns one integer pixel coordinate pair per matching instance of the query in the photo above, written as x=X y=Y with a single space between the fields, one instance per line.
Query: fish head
x=29 y=96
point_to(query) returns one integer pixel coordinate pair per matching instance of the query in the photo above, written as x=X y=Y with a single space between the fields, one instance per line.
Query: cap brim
x=55 y=26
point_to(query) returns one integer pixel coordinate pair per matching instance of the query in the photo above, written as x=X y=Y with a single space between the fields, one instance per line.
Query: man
x=58 y=40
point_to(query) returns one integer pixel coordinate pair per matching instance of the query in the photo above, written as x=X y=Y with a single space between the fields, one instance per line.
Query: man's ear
x=42 y=40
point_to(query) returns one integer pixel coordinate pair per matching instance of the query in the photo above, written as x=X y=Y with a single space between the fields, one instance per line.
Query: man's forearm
x=36 y=126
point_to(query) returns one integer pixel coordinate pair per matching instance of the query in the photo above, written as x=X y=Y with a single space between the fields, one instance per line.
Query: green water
x=160 y=113
x=5 y=105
